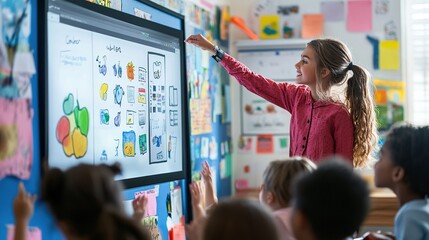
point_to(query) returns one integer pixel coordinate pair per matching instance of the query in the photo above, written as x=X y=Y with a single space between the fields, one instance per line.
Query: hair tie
x=350 y=66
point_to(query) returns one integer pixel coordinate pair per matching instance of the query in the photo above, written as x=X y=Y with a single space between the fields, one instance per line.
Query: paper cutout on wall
x=264 y=144
x=359 y=15
x=200 y=116
x=32 y=233
x=333 y=11
x=312 y=25
x=269 y=27
x=389 y=98
x=176 y=205
x=151 y=206
x=375 y=51
x=389 y=55
x=16 y=154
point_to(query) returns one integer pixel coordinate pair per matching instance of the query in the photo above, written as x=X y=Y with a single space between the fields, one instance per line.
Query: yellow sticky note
x=269 y=27
x=389 y=55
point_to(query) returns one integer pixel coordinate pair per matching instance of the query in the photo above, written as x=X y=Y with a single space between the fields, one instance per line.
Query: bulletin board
x=258 y=116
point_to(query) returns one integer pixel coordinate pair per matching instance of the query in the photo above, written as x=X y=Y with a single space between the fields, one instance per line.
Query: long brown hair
x=336 y=57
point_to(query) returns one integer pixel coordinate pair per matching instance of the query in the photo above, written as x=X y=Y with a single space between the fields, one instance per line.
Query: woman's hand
x=200 y=41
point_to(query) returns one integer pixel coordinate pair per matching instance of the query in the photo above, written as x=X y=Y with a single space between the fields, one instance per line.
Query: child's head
x=240 y=219
x=277 y=180
x=86 y=202
x=404 y=159
x=329 y=203
x=334 y=66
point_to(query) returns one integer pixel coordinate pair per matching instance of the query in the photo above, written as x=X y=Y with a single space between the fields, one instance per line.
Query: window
x=417 y=60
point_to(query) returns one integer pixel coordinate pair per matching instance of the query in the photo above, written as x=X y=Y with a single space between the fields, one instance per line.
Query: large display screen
x=115 y=92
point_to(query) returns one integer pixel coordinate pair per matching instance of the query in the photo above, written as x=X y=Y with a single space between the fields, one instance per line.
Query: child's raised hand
x=206 y=174
x=200 y=41
x=197 y=198
x=139 y=206
x=23 y=205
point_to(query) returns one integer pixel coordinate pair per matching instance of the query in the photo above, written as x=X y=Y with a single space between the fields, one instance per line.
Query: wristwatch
x=219 y=54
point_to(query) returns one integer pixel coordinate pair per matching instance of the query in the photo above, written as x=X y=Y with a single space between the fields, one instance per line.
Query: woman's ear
x=325 y=72
x=270 y=198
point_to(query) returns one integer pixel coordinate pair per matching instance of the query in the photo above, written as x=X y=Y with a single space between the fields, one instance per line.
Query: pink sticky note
x=241 y=184
x=359 y=15
x=33 y=233
x=15 y=122
x=151 y=201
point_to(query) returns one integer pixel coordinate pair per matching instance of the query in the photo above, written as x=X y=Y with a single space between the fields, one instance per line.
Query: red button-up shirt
x=317 y=129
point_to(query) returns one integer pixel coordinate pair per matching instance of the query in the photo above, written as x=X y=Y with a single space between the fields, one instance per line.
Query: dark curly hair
x=409 y=148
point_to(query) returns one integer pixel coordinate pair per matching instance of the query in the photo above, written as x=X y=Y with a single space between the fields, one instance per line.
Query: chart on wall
x=109 y=101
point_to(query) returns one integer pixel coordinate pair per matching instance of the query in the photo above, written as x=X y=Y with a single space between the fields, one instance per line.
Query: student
x=403 y=167
x=321 y=124
x=276 y=189
x=330 y=203
x=86 y=204
x=234 y=219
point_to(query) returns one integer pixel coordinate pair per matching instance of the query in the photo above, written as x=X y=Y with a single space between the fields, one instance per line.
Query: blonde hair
x=336 y=57
x=279 y=175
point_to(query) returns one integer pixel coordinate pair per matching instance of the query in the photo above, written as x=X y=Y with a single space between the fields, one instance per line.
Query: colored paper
x=333 y=11
x=151 y=206
x=359 y=15
x=265 y=144
x=389 y=55
x=33 y=233
x=176 y=205
x=178 y=232
x=15 y=125
x=376 y=51
x=389 y=96
x=312 y=25
x=269 y=27
x=241 y=184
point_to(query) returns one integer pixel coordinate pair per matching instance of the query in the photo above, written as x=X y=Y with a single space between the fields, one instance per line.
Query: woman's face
x=383 y=169
x=306 y=68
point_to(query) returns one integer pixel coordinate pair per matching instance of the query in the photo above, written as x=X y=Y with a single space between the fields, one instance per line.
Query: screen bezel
x=44 y=81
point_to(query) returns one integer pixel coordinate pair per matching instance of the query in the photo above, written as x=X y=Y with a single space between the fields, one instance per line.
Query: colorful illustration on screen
x=72 y=128
x=117 y=70
x=118 y=93
x=103 y=156
x=104 y=117
x=103 y=91
x=102 y=68
x=130 y=71
x=128 y=143
x=142 y=74
x=157 y=69
x=142 y=144
x=142 y=95
x=117 y=120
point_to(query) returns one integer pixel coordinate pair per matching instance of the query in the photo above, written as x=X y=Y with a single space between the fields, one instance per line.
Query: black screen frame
x=43 y=82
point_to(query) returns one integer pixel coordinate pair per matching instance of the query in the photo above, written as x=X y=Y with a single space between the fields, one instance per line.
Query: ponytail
x=360 y=102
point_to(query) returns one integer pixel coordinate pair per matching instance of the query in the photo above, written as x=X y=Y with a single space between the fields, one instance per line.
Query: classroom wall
x=248 y=166
x=173 y=193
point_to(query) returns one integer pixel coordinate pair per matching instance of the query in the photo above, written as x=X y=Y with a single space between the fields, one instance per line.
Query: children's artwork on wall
x=389 y=55
x=312 y=25
x=389 y=99
x=359 y=15
x=16 y=153
x=333 y=11
x=264 y=144
x=269 y=27
x=289 y=20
